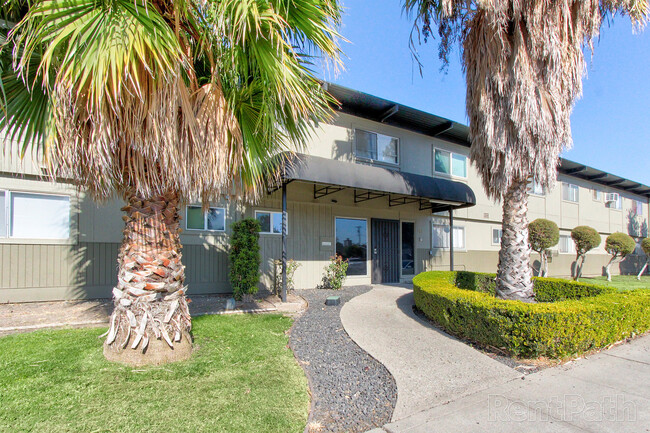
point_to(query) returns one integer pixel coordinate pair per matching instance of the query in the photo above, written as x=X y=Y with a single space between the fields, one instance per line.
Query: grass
x=242 y=378
x=621 y=282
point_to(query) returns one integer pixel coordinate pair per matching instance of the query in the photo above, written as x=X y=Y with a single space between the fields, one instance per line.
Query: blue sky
x=610 y=123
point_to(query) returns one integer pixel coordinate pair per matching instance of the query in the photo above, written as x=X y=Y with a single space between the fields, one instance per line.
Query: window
x=376 y=147
x=567 y=245
x=213 y=220
x=3 y=217
x=639 y=207
x=352 y=244
x=440 y=237
x=34 y=216
x=408 y=248
x=446 y=162
x=496 y=236
x=535 y=188
x=570 y=192
x=597 y=194
x=616 y=204
x=270 y=222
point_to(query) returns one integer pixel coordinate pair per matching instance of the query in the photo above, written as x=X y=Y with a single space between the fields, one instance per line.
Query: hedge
x=574 y=317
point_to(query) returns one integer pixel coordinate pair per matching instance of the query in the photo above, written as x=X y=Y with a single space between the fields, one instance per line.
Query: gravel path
x=351 y=391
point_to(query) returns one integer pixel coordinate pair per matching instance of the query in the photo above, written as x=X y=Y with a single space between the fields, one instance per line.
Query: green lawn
x=621 y=282
x=242 y=378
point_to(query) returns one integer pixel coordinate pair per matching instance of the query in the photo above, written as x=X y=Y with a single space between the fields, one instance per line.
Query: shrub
x=618 y=245
x=581 y=317
x=292 y=267
x=542 y=235
x=586 y=239
x=335 y=273
x=245 y=258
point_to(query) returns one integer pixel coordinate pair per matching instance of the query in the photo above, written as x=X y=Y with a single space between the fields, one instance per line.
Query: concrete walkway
x=606 y=392
x=429 y=367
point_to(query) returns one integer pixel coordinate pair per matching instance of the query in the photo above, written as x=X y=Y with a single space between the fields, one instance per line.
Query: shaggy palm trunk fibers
x=151 y=322
x=514 y=275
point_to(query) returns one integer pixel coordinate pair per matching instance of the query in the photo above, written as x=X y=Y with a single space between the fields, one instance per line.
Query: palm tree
x=524 y=64
x=162 y=102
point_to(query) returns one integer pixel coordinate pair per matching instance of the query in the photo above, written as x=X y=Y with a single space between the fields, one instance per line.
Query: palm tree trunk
x=514 y=273
x=151 y=322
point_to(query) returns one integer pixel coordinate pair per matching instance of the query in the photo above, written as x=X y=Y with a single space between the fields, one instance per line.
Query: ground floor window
x=352 y=243
x=212 y=220
x=496 y=236
x=270 y=222
x=440 y=237
x=408 y=248
x=34 y=216
x=567 y=245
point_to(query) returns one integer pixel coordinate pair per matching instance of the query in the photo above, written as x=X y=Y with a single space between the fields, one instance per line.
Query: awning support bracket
x=326 y=190
x=360 y=197
x=399 y=201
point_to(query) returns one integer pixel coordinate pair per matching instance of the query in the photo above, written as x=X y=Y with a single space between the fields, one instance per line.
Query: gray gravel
x=351 y=391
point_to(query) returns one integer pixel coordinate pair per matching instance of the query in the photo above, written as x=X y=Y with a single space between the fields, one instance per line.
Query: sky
x=610 y=122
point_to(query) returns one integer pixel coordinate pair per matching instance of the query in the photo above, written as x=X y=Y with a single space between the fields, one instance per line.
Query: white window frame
x=571 y=186
x=368 y=252
x=534 y=188
x=616 y=205
x=451 y=163
x=500 y=229
x=446 y=226
x=271 y=212
x=205 y=219
x=373 y=160
x=597 y=195
x=572 y=245
x=6 y=232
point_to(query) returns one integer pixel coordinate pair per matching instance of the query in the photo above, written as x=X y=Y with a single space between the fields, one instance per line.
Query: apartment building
x=389 y=187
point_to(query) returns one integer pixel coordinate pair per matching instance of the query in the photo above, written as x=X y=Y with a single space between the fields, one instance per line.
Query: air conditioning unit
x=611 y=197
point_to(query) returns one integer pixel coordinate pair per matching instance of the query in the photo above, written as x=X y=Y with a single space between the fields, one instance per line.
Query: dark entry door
x=385 y=251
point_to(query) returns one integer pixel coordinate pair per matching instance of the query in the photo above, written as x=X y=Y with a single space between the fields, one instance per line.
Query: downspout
x=451 y=239
x=284 y=242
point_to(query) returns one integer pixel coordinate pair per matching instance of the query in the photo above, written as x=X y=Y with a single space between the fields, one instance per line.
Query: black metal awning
x=436 y=193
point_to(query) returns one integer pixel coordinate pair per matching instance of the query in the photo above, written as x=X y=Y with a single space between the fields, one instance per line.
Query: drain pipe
x=451 y=239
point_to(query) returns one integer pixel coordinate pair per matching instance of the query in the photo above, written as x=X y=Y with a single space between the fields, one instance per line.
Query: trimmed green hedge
x=574 y=317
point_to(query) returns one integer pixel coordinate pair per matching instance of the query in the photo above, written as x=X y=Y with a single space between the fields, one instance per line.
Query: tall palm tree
x=162 y=102
x=524 y=63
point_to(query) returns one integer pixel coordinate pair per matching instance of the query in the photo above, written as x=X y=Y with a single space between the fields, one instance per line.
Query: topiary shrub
x=645 y=246
x=586 y=239
x=618 y=245
x=245 y=258
x=577 y=317
x=542 y=235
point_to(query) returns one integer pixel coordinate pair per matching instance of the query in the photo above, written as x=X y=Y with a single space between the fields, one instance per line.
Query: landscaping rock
x=351 y=391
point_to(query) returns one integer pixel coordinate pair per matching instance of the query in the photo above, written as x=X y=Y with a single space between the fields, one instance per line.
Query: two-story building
x=377 y=185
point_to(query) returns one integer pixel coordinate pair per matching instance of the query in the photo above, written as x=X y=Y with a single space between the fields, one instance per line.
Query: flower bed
x=569 y=318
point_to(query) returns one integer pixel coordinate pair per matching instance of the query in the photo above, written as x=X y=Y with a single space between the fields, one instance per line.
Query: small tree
x=645 y=246
x=586 y=239
x=542 y=235
x=618 y=245
x=245 y=258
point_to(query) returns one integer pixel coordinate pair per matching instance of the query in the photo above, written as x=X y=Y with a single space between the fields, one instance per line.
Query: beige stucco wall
x=84 y=266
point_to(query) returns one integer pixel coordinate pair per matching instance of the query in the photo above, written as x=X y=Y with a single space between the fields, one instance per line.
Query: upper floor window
x=496 y=236
x=213 y=220
x=570 y=192
x=639 y=207
x=614 y=201
x=450 y=163
x=597 y=194
x=376 y=147
x=535 y=187
x=270 y=222
x=34 y=216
